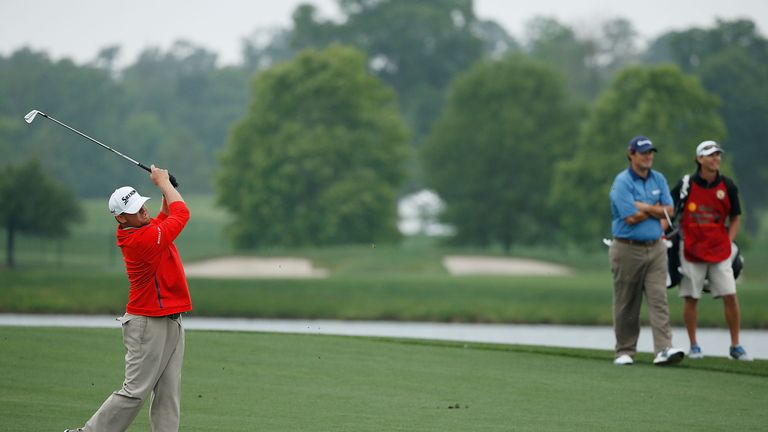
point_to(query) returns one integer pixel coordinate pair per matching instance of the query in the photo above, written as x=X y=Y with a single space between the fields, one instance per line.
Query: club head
x=30 y=117
x=672 y=234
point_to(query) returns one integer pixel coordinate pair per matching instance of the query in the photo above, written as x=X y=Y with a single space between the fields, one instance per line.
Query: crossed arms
x=645 y=211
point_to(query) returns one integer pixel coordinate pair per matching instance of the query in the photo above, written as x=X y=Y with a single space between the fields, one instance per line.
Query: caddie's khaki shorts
x=717 y=276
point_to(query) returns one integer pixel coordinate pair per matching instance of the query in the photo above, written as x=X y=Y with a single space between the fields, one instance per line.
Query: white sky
x=79 y=29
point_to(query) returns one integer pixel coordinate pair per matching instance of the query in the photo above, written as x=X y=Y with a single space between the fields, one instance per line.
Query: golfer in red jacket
x=152 y=329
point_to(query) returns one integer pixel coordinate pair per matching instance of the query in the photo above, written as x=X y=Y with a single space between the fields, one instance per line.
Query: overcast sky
x=78 y=29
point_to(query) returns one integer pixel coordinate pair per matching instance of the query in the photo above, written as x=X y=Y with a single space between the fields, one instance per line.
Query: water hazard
x=715 y=342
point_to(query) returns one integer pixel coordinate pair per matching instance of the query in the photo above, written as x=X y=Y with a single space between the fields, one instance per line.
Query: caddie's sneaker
x=668 y=356
x=623 y=359
x=738 y=353
x=695 y=352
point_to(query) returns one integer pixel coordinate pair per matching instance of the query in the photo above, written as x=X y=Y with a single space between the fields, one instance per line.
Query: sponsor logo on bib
x=720 y=194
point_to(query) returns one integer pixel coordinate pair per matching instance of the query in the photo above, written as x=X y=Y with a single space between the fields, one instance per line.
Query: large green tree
x=660 y=102
x=491 y=152
x=318 y=156
x=731 y=58
x=33 y=203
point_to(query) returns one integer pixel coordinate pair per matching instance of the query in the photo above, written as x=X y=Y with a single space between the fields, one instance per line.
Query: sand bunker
x=254 y=267
x=248 y=267
x=479 y=265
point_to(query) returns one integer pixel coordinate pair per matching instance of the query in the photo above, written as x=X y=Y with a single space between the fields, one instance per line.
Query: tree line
x=313 y=136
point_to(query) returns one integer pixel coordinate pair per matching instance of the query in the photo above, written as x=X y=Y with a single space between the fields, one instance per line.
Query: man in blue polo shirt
x=639 y=199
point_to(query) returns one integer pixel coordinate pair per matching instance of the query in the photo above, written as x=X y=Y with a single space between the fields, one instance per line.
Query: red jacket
x=158 y=284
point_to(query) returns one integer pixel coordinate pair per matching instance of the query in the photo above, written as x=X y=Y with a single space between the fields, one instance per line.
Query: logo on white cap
x=126 y=200
x=706 y=148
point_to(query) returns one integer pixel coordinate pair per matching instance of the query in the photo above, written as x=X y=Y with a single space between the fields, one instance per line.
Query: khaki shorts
x=718 y=278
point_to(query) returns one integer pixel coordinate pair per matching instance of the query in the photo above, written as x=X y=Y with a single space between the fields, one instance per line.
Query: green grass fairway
x=56 y=378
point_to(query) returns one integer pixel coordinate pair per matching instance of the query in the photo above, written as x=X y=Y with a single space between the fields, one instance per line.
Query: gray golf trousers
x=639 y=270
x=154 y=356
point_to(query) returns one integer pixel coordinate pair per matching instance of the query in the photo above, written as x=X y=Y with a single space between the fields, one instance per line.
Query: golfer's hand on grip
x=174 y=183
x=170 y=176
x=164 y=181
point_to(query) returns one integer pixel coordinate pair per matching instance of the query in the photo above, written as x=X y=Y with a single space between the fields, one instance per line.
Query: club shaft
x=29 y=118
x=669 y=220
x=96 y=141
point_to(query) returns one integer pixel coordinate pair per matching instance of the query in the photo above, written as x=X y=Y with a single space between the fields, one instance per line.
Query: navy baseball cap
x=641 y=144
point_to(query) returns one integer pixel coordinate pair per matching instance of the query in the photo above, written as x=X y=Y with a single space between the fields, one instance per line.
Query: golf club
x=30 y=117
x=672 y=226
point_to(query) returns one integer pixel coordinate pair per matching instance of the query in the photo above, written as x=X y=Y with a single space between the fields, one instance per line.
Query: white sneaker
x=669 y=356
x=623 y=359
x=695 y=352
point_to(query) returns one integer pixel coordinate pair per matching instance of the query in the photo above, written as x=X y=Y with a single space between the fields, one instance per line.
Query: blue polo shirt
x=629 y=187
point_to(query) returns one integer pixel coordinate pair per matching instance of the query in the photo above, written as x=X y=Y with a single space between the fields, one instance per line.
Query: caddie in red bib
x=703 y=222
x=710 y=207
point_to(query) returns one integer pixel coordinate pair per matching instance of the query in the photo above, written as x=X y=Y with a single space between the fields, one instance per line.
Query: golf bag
x=673 y=263
x=674 y=236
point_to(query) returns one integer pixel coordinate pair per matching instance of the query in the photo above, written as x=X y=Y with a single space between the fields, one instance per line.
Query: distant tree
x=731 y=59
x=318 y=156
x=147 y=132
x=85 y=97
x=742 y=84
x=266 y=47
x=417 y=47
x=617 y=46
x=184 y=92
x=188 y=160
x=142 y=110
x=689 y=48
x=10 y=131
x=33 y=203
x=660 y=102
x=490 y=154
x=107 y=57
x=558 y=45
x=586 y=61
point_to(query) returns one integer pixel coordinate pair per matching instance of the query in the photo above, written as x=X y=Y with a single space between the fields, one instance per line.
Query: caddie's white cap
x=706 y=148
x=126 y=200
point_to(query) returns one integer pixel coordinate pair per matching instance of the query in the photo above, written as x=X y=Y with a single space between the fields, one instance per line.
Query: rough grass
x=583 y=299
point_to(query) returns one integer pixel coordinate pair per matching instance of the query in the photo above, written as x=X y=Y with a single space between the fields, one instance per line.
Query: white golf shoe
x=669 y=356
x=623 y=360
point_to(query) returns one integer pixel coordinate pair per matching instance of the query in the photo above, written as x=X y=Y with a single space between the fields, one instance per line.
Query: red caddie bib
x=703 y=222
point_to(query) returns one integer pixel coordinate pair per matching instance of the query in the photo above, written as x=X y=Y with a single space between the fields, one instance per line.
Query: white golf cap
x=706 y=148
x=125 y=200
